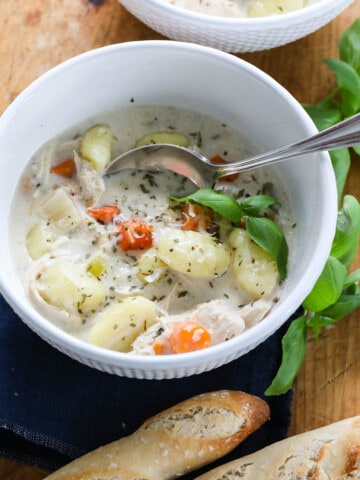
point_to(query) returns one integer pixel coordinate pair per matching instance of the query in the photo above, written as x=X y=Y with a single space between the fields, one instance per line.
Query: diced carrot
x=104 y=214
x=159 y=348
x=189 y=336
x=26 y=185
x=195 y=217
x=66 y=168
x=226 y=178
x=134 y=235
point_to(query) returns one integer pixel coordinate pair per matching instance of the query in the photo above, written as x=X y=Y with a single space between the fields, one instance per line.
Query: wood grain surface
x=38 y=34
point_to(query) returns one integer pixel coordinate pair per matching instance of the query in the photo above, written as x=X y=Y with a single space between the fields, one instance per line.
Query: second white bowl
x=234 y=34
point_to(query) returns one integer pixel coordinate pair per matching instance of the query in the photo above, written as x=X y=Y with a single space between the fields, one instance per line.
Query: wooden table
x=38 y=34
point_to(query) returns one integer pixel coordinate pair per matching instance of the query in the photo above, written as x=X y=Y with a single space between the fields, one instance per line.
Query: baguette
x=178 y=440
x=327 y=453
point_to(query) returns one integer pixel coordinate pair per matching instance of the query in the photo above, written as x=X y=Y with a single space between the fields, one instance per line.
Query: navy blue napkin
x=54 y=409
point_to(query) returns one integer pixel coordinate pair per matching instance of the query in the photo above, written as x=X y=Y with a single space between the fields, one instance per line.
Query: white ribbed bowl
x=234 y=34
x=186 y=75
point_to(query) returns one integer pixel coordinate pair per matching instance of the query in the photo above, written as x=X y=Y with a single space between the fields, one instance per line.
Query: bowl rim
x=65 y=341
x=296 y=16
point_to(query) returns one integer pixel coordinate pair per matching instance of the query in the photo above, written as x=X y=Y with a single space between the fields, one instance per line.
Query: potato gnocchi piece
x=262 y=8
x=96 y=146
x=122 y=323
x=151 y=268
x=194 y=253
x=255 y=270
x=68 y=286
x=39 y=240
x=60 y=210
x=173 y=138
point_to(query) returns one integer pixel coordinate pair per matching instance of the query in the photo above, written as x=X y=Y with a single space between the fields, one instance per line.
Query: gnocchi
x=122 y=323
x=263 y=8
x=173 y=138
x=255 y=271
x=39 y=240
x=66 y=285
x=151 y=267
x=193 y=253
x=96 y=146
x=60 y=210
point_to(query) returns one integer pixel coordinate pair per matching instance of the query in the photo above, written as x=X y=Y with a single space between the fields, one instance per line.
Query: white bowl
x=200 y=78
x=234 y=34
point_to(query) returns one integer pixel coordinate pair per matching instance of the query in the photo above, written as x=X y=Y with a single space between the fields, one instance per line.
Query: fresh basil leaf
x=350 y=104
x=349 y=83
x=353 y=277
x=225 y=205
x=268 y=235
x=348 y=257
x=346 y=75
x=343 y=307
x=255 y=204
x=322 y=116
x=353 y=289
x=349 y=45
x=315 y=321
x=328 y=287
x=347 y=229
x=293 y=352
x=357 y=149
x=341 y=162
x=333 y=296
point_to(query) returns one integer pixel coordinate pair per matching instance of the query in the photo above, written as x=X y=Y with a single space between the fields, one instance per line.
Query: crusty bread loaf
x=180 y=439
x=327 y=453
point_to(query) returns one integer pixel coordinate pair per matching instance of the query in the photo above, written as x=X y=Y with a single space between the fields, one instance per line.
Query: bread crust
x=327 y=453
x=178 y=440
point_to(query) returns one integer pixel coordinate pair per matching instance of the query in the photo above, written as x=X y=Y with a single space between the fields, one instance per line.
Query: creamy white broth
x=215 y=301
x=241 y=8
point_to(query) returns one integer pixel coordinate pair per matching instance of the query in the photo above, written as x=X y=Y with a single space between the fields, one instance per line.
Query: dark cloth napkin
x=54 y=409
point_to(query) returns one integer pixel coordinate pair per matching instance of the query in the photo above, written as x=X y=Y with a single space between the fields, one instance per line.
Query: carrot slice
x=226 y=178
x=66 y=168
x=104 y=214
x=134 y=235
x=159 y=348
x=195 y=217
x=189 y=336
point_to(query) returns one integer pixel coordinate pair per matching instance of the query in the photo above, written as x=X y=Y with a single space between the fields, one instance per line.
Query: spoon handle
x=343 y=134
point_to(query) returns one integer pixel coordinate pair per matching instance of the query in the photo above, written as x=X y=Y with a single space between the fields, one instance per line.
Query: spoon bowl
x=203 y=173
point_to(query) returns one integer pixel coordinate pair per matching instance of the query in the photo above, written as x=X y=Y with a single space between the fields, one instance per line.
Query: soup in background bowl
x=240 y=8
x=96 y=87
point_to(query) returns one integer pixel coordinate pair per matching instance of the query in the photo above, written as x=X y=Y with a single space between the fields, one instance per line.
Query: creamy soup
x=117 y=261
x=242 y=8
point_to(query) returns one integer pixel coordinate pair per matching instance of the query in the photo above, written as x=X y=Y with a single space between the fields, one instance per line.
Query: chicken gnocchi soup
x=242 y=8
x=142 y=262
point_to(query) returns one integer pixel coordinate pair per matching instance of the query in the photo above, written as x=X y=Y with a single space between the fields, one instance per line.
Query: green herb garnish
x=226 y=206
x=263 y=231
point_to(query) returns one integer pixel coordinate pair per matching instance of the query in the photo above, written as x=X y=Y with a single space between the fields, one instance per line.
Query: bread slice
x=327 y=453
x=178 y=440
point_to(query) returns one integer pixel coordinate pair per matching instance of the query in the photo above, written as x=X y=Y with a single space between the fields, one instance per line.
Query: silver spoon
x=204 y=173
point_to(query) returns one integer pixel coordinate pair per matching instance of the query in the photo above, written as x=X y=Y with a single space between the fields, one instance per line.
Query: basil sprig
x=263 y=231
x=268 y=235
x=226 y=206
x=334 y=296
x=336 y=293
